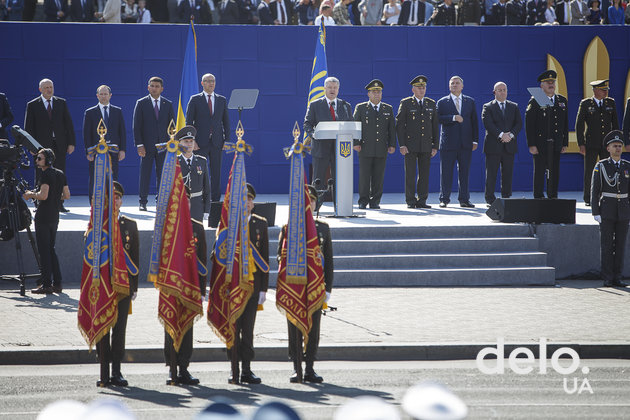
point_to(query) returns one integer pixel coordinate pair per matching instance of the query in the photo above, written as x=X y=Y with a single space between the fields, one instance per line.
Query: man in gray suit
x=207 y=112
x=502 y=120
x=328 y=108
x=579 y=12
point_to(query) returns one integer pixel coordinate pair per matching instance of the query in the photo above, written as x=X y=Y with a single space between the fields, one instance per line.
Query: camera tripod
x=17 y=215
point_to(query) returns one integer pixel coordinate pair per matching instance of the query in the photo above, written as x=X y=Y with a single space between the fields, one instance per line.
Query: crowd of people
x=333 y=12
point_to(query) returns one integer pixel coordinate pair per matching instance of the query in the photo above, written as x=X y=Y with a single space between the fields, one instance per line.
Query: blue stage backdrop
x=277 y=61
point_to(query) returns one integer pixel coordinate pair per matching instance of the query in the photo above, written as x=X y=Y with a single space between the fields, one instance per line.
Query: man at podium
x=328 y=108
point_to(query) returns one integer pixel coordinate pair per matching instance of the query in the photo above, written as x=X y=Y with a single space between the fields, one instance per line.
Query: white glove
x=133 y=297
x=598 y=218
x=327 y=297
x=262 y=297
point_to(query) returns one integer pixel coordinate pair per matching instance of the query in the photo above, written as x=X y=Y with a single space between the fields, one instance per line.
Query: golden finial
x=101 y=130
x=172 y=130
x=239 y=130
x=296 y=132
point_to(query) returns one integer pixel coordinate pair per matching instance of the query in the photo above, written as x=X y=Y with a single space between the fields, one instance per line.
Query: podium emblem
x=345 y=148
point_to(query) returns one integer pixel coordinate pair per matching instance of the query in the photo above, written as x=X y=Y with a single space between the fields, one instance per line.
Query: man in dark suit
x=82 y=10
x=563 y=12
x=443 y=15
x=159 y=10
x=458 y=139
x=244 y=326
x=502 y=120
x=189 y=9
x=48 y=120
x=536 y=11
x=412 y=13
x=151 y=118
x=6 y=116
x=498 y=14
x=207 y=112
x=516 y=13
x=599 y=114
x=114 y=349
x=228 y=12
x=116 y=133
x=611 y=208
x=547 y=131
x=328 y=108
x=264 y=13
x=56 y=10
x=417 y=126
x=378 y=138
x=281 y=12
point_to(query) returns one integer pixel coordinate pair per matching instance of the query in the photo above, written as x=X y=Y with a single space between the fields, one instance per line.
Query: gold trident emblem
x=240 y=131
x=101 y=129
x=298 y=147
x=172 y=145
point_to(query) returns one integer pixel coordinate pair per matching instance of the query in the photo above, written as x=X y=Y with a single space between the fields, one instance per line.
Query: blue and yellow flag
x=190 y=81
x=320 y=67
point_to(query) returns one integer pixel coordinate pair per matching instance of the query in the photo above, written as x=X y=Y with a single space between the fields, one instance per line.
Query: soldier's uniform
x=542 y=124
x=113 y=351
x=417 y=126
x=295 y=335
x=610 y=186
x=600 y=118
x=377 y=135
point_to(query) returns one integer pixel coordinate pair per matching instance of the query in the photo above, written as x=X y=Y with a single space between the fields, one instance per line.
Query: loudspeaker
x=515 y=210
x=266 y=210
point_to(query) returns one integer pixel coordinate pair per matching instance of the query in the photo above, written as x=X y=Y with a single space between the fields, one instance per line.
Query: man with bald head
x=502 y=120
x=48 y=120
x=207 y=112
x=113 y=121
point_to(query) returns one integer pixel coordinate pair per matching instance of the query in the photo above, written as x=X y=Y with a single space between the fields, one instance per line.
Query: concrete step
x=488 y=276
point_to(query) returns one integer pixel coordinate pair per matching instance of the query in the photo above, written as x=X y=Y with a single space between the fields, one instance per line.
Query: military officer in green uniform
x=610 y=186
x=295 y=336
x=547 y=131
x=378 y=138
x=599 y=114
x=114 y=348
x=417 y=126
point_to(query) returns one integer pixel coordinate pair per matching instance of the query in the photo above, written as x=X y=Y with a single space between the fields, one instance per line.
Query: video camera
x=12 y=155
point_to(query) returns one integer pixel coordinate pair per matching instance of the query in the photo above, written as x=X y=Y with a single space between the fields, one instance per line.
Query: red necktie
x=210 y=104
x=332 y=112
x=49 y=109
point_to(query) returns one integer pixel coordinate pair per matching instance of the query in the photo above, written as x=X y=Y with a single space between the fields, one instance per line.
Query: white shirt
x=413 y=17
x=461 y=103
x=159 y=101
x=144 y=16
x=46 y=102
x=102 y=107
x=377 y=106
x=205 y=95
x=328 y=20
x=280 y=6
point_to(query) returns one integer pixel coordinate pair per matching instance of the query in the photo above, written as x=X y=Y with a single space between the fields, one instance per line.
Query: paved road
x=25 y=390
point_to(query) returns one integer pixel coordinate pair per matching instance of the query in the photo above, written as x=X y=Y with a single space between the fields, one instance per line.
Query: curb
x=342 y=351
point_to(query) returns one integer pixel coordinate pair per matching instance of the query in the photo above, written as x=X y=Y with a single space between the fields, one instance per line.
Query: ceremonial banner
x=173 y=265
x=319 y=71
x=104 y=278
x=233 y=264
x=190 y=81
x=300 y=289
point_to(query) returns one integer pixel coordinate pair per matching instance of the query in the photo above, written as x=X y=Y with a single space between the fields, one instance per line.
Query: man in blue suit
x=151 y=118
x=207 y=112
x=459 y=137
x=328 y=108
x=116 y=134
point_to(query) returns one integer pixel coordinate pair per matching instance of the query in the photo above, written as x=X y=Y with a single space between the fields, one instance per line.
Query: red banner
x=298 y=299
x=180 y=298
x=98 y=302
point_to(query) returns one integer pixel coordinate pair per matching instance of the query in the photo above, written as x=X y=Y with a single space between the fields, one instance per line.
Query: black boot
x=310 y=375
x=296 y=378
x=117 y=378
x=247 y=376
x=104 y=381
x=185 y=378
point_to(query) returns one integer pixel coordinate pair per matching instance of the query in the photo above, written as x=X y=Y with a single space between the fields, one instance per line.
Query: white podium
x=344 y=132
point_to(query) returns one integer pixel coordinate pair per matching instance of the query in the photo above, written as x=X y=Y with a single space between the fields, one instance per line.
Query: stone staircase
x=497 y=255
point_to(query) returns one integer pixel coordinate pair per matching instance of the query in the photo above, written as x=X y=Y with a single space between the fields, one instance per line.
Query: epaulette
x=320 y=222
x=201 y=157
x=256 y=216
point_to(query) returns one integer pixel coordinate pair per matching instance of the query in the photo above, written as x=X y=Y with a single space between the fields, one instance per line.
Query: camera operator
x=52 y=188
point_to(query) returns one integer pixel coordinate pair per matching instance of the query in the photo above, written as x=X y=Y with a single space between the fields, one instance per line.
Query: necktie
x=157 y=110
x=210 y=104
x=458 y=106
x=332 y=111
x=503 y=108
x=106 y=114
x=375 y=108
x=284 y=16
x=189 y=162
x=568 y=6
x=49 y=109
x=414 y=8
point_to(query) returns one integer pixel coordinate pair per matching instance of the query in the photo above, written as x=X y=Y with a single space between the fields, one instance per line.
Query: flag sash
x=296 y=268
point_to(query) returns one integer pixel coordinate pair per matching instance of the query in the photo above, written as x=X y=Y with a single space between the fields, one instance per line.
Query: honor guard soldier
x=547 y=131
x=417 y=126
x=599 y=114
x=244 y=328
x=610 y=186
x=114 y=351
x=295 y=336
x=195 y=174
x=378 y=138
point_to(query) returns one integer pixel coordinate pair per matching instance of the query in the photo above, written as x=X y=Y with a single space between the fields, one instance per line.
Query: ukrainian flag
x=190 y=81
x=320 y=67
